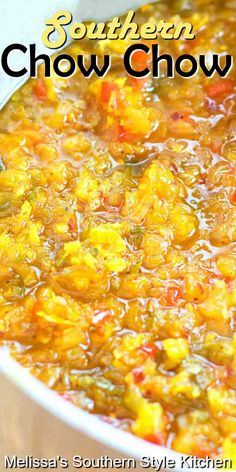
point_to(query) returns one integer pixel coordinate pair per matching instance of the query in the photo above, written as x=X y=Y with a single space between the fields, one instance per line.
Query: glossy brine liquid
x=117 y=237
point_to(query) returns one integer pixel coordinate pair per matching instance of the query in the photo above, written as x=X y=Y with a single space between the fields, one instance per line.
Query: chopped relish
x=118 y=238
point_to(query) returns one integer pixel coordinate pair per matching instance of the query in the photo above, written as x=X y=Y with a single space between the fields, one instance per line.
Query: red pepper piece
x=149 y=349
x=233 y=198
x=174 y=294
x=106 y=91
x=72 y=225
x=219 y=88
x=156 y=438
x=138 y=375
x=40 y=89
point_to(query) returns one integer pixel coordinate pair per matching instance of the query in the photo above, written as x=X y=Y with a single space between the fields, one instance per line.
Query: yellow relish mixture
x=118 y=237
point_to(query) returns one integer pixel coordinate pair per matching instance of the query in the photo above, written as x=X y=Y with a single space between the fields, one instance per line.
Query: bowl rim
x=92 y=426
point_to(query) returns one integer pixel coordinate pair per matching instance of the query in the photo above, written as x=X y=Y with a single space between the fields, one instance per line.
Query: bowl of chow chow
x=118 y=256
